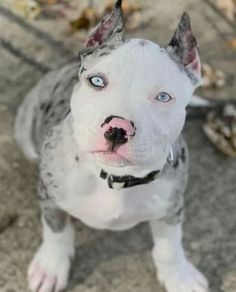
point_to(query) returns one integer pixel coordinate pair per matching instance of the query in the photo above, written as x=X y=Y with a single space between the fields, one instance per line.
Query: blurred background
x=37 y=36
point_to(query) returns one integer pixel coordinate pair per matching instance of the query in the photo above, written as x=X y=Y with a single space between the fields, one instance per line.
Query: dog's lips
x=111 y=156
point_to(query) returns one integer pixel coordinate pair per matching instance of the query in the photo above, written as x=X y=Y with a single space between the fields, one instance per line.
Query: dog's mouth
x=111 y=157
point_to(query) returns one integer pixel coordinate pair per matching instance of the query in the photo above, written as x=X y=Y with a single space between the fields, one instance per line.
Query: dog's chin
x=110 y=158
x=116 y=164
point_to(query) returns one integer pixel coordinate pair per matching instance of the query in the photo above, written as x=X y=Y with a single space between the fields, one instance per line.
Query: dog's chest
x=89 y=199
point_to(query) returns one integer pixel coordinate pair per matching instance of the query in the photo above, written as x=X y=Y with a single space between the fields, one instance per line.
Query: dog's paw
x=182 y=277
x=49 y=270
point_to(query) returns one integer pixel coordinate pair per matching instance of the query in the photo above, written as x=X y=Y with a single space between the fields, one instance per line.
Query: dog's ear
x=111 y=27
x=183 y=48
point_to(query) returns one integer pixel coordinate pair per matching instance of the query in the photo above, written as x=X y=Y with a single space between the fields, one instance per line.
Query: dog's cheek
x=177 y=123
x=170 y=125
x=85 y=123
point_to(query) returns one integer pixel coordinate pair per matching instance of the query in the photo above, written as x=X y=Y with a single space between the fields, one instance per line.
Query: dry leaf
x=134 y=21
x=126 y=7
x=29 y=9
x=212 y=78
x=220 y=129
x=87 y=19
x=49 y=2
x=228 y=7
x=131 y=13
x=231 y=43
x=90 y=16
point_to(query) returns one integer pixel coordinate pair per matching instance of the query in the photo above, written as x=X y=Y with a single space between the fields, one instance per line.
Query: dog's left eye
x=163 y=97
x=97 y=81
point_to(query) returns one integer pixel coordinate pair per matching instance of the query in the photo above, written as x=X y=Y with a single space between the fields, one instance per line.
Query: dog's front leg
x=50 y=266
x=175 y=272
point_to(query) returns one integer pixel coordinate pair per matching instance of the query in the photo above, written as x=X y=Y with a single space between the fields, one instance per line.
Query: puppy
x=106 y=131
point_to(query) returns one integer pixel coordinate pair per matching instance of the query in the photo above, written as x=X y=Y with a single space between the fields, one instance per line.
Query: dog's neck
x=128 y=181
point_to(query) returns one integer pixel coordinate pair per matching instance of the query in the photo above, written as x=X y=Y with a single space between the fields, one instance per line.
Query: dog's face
x=129 y=106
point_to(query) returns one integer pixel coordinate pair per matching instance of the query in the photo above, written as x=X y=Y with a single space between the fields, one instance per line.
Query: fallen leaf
x=228 y=7
x=220 y=129
x=49 y=2
x=231 y=43
x=134 y=21
x=133 y=18
x=127 y=7
x=87 y=19
x=29 y=9
x=212 y=78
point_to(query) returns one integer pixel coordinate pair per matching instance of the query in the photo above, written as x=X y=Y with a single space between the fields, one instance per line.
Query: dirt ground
x=115 y=261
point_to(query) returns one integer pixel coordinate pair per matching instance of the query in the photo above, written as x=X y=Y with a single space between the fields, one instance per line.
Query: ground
x=115 y=261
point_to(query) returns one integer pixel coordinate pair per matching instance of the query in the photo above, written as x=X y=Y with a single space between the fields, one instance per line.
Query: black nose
x=116 y=136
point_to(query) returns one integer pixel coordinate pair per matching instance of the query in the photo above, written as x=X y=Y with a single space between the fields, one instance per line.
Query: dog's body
x=106 y=182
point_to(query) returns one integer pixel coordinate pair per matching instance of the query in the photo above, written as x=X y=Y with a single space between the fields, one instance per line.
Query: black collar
x=127 y=181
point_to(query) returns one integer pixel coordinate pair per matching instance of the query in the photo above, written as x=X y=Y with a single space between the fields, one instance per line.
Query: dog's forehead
x=140 y=54
x=137 y=60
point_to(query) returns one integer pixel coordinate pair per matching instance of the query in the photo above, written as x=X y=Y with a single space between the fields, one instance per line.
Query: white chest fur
x=89 y=199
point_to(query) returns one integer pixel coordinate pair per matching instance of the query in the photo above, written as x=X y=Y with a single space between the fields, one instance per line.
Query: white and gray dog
x=106 y=132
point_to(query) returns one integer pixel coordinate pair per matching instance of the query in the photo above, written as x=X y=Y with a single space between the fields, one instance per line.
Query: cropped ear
x=111 y=27
x=183 y=49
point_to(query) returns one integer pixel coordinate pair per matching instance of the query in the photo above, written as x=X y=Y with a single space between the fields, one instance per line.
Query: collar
x=128 y=181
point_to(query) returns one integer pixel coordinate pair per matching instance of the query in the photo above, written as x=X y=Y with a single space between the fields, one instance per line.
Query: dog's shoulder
x=46 y=105
x=53 y=109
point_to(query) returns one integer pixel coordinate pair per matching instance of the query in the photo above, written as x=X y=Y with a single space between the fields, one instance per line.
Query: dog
x=106 y=132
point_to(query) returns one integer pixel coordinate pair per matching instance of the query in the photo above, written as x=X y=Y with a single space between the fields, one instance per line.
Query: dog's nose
x=117 y=130
x=116 y=136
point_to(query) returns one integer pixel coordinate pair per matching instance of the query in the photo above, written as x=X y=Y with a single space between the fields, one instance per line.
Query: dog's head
x=129 y=105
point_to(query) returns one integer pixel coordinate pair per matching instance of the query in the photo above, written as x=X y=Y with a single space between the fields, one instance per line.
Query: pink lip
x=109 y=155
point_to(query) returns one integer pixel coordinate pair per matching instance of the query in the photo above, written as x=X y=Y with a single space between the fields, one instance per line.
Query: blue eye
x=97 y=81
x=163 y=97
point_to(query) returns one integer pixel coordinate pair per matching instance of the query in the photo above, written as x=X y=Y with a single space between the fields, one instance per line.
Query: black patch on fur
x=61 y=102
x=76 y=158
x=42 y=190
x=47 y=108
x=103 y=46
x=108 y=119
x=67 y=113
x=179 y=212
x=82 y=69
x=183 y=155
x=176 y=163
x=104 y=54
x=180 y=156
x=42 y=106
x=56 y=86
x=55 y=218
x=118 y=30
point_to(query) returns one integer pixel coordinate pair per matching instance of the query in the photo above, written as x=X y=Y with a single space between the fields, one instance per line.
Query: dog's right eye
x=97 y=81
